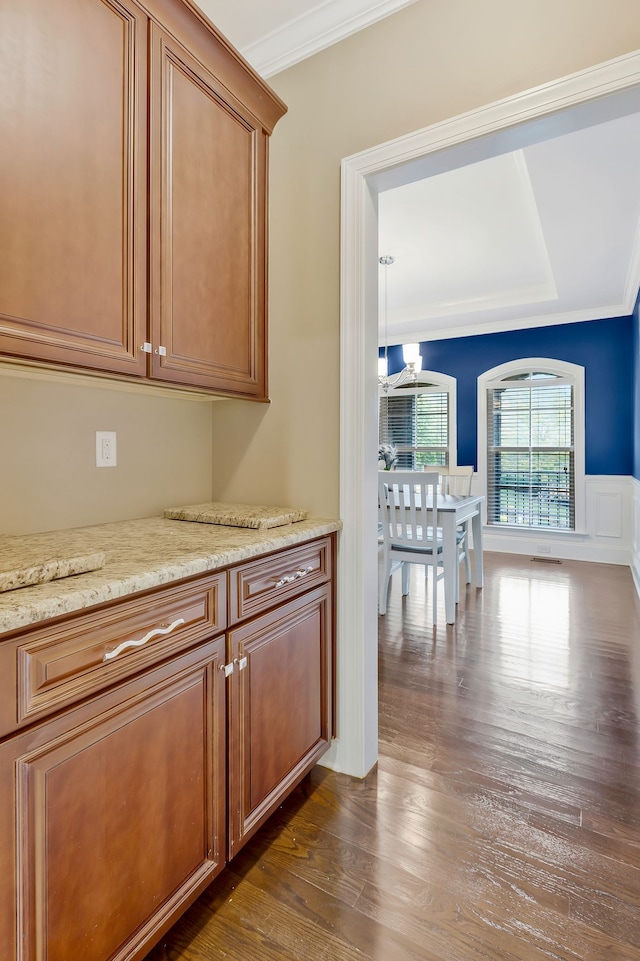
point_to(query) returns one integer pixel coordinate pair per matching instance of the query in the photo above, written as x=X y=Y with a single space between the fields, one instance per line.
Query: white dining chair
x=407 y=502
x=396 y=566
x=457 y=480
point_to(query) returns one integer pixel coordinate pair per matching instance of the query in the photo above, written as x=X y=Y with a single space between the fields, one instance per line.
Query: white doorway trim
x=593 y=95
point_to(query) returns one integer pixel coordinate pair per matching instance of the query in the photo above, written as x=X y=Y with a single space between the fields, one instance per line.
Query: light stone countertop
x=139 y=555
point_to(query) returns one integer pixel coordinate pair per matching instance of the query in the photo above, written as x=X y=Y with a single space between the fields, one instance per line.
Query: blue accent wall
x=607 y=349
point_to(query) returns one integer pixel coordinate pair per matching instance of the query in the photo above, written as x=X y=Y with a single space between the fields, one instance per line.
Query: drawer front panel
x=59 y=665
x=262 y=583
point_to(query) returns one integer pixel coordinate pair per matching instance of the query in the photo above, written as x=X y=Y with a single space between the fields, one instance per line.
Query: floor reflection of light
x=536 y=615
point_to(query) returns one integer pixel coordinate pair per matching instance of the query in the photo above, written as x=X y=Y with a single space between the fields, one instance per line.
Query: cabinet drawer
x=59 y=665
x=258 y=585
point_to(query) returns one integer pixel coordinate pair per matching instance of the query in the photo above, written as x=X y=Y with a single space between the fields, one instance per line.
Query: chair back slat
x=456 y=480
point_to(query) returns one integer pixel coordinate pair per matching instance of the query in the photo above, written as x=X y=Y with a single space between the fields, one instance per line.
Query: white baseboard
x=580 y=550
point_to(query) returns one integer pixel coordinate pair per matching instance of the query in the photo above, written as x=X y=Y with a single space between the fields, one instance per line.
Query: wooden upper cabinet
x=208 y=194
x=73 y=182
x=133 y=194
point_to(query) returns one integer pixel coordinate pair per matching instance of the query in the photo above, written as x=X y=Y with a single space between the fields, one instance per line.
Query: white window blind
x=416 y=422
x=530 y=451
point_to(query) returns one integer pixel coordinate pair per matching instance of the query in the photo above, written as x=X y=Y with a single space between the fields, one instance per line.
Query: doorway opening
x=584 y=99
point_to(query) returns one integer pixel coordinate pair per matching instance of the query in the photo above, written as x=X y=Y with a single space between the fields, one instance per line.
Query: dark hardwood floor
x=503 y=819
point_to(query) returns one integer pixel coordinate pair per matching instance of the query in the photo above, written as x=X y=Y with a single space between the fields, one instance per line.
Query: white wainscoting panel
x=608 y=514
x=612 y=512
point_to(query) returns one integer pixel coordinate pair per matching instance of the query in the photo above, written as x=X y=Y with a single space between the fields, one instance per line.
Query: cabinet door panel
x=280 y=707
x=73 y=182
x=208 y=172
x=120 y=814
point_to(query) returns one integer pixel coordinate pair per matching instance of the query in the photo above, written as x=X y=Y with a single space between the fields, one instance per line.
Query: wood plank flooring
x=503 y=818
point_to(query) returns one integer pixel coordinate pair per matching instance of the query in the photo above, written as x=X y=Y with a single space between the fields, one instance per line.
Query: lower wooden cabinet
x=279 y=708
x=119 y=807
x=118 y=815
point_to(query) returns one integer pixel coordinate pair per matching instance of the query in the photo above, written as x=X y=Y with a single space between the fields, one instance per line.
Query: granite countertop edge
x=140 y=555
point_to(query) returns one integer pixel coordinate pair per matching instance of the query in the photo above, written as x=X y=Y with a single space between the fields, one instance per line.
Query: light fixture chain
x=386 y=261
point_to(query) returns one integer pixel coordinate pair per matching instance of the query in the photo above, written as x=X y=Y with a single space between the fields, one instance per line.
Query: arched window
x=419 y=420
x=531 y=444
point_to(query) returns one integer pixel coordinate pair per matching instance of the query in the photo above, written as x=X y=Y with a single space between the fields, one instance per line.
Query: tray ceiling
x=545 y=234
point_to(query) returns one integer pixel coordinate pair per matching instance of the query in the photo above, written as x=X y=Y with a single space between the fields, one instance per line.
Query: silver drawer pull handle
x=284 y=580
x=109 y=656
x=288 y=578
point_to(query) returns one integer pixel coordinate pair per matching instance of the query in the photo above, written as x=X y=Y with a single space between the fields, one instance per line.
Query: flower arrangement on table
x=387 y=456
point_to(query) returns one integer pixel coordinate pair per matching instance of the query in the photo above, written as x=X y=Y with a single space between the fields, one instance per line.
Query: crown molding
x=498 y=300
x=325 y=24
x=415 y=333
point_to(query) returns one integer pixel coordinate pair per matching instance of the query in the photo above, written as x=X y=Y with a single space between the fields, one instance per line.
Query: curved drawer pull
x=288 y=578
x=109 y=655
x=284 y=580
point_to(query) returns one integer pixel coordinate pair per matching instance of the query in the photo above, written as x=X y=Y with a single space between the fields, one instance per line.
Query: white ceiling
x=274 y=34
x=546 y=234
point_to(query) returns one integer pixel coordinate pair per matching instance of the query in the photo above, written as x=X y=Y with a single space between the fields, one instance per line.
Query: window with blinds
x=415 y=420
x=530 y=451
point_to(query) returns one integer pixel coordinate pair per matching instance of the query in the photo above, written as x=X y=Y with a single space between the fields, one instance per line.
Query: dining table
x=453 y=510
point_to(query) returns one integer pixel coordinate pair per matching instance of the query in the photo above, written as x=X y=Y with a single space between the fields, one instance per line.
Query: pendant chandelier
x=408 y=376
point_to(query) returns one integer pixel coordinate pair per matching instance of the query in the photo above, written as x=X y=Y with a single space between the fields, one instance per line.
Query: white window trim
x=440 y=382
x=561 y=368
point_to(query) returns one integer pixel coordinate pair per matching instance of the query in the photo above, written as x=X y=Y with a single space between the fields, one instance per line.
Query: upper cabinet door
x=207 y=221
x=73 y=182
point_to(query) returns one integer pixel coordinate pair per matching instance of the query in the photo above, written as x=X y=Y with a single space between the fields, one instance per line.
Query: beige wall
x=433 y=60
x=48 y=477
